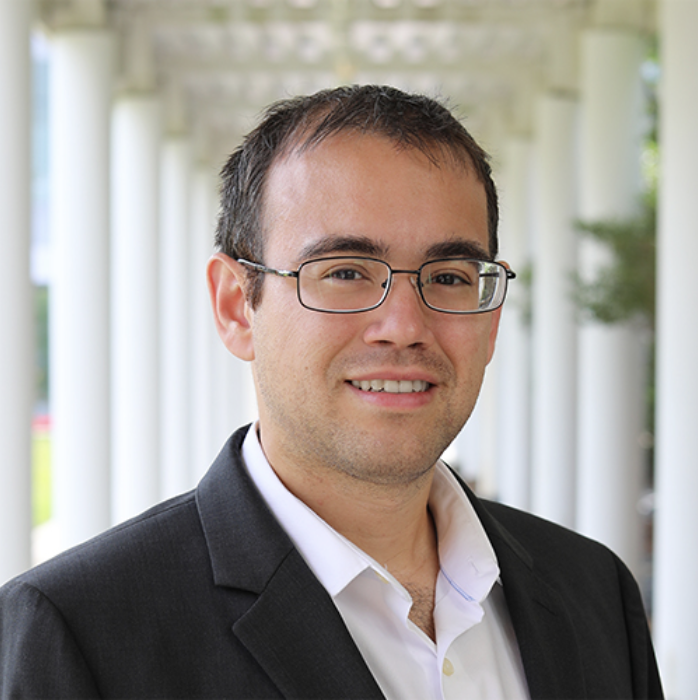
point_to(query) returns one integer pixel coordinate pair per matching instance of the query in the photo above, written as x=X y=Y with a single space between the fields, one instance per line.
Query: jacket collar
x=544 y=630
x=292 y=628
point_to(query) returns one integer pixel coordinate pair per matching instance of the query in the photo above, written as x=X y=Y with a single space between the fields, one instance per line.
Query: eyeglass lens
x=354 y=284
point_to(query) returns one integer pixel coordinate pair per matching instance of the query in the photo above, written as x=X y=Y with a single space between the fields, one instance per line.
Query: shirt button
x=448 y=668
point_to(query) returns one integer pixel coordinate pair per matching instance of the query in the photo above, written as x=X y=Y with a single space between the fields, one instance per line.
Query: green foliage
x=625 y=288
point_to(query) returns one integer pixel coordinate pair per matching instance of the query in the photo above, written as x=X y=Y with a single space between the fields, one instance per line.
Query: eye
x=453 y=275
x=449 y=279
x=344 y=271
x=345 y=274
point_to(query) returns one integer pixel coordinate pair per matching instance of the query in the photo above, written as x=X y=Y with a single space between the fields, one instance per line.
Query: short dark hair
x=409 y=120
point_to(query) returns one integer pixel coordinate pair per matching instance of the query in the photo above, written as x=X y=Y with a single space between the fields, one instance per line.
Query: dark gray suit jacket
x=205 y=596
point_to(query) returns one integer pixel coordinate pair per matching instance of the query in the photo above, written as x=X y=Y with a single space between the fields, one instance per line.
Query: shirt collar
x=326 y=552
x=466 y=556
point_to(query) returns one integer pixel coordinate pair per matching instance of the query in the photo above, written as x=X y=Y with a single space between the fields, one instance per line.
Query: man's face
x=359 y=195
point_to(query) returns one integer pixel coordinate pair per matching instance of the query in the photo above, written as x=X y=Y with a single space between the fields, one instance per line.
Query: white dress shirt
x=475 y=655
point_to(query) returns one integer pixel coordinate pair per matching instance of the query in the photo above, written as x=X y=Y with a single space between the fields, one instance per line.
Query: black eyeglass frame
x=258 y=267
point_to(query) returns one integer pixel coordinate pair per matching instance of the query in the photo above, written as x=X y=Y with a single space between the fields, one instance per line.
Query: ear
x=231 y=312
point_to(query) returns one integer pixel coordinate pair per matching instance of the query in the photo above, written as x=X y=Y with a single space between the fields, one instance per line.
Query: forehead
x=363 y=193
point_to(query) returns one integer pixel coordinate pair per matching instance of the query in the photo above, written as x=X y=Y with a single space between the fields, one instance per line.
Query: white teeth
x=391 y=386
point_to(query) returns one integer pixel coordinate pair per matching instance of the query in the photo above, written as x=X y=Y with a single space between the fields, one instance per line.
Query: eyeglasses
x=346 y=285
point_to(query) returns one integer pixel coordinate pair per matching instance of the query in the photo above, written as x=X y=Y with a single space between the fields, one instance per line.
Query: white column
x=81 y=73
x=513 y=345
x=202 y=330
x=16 y=349
x=554 y=329
x=676 y=566
x=488 y=437
x=240 y=400
x=465 y=453
x=174 y=327
x=474 y=451
x=612 y=368
x=135 y=313
x=222 y=387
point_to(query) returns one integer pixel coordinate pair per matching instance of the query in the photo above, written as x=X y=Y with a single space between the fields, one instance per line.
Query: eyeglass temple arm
x=270 y=270
x=511 y=275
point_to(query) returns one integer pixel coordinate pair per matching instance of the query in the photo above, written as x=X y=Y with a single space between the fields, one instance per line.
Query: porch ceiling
x=218 y=62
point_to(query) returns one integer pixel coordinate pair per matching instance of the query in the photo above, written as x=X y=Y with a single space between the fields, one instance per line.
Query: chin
x=394 y=461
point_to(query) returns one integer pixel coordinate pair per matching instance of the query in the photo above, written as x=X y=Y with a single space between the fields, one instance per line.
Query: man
x=328 y=552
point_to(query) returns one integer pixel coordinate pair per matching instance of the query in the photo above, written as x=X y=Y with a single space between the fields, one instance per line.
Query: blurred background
x=115 y=119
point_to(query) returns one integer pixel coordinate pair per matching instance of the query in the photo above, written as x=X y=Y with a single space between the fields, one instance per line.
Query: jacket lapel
x=544 y=631
x=296 y=634
x=293 y=628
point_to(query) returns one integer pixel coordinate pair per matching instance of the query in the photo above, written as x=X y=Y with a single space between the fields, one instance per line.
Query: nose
x=402 y=319
x=413 y=275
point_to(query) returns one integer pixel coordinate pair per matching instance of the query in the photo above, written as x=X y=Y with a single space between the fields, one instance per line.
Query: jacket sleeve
x=39 y=656
x=646 y=680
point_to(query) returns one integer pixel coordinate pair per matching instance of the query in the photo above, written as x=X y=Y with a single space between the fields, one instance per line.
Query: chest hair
x=422 y=610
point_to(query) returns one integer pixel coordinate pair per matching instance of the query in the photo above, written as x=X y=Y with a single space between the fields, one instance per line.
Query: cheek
x=299 y=344
x=324 y=341
x=469 y=346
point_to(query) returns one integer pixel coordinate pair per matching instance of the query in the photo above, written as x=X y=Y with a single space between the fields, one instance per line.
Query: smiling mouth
x=391 y=386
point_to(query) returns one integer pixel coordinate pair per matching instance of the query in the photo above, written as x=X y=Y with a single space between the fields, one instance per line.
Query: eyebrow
x=454 y=248
x=457 y=248
x=343 y=244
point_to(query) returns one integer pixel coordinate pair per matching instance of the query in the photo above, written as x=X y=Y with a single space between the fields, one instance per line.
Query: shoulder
x=161 y=538
x=85 y=609
x=168 y=538
x=585 y=587
x=594 y=583
x=551 y=549
x=539 y=534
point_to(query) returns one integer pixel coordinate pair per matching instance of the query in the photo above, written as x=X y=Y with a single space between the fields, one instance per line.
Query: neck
x=394 y=528
x=390 y=522
x=392 y=525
